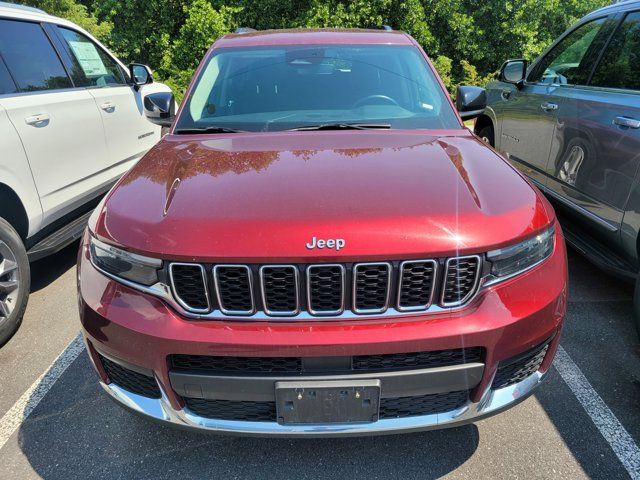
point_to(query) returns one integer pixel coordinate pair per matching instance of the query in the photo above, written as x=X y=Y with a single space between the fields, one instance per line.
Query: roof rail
x=25 y=8
x=387 y=28
x=241 y=30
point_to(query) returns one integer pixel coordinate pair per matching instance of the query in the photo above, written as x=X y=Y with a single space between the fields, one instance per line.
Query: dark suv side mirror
x=140 y=74
x=470 y=101
x=514 y=72
x=159 y=108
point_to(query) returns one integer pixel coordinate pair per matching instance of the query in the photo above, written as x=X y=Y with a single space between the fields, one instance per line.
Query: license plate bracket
x=328 y=401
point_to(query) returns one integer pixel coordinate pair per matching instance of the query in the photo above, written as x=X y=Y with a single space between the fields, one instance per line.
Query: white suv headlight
x=509 y=261
x=122 y=264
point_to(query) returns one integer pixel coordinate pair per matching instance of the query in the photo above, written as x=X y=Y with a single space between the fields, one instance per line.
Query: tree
x=142 y=30
x=469 y=39
x=77 y=13
x=203 y=25
x=443 y=65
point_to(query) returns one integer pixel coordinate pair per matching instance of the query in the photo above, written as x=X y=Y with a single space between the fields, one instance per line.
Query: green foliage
x=443 y=65
x=142 y=30
x=470 y=75
x=202 y=26
x=468 y=39
x=77 y=13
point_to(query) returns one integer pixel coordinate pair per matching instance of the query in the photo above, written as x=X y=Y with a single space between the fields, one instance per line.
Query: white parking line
x=30 y=399
x=603 y=418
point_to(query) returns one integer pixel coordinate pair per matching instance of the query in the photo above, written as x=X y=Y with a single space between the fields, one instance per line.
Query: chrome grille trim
x=263 y=293
x=309 y=299
x=434 y=283
x=472 y=291
x=164 y=290
x=354 y=283
x=180 y=301
x=216 y=282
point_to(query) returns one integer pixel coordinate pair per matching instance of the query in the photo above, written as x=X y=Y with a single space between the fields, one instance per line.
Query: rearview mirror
x=470 y=101
x=159 y=108
x=514 y=72
x=140 y=74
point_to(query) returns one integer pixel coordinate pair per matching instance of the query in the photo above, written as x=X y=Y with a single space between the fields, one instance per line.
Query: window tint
x=92 y=67
x=6 y=82
x=30 y=57
x=571 y=60
x=620 y=65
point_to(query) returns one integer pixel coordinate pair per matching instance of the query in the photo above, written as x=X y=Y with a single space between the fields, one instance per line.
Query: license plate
x=328 y=402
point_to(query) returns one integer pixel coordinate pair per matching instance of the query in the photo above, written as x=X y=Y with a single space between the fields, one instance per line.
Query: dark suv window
x=620 y=64
x=30 y=57
x=6 y=82
x=91 y=66
x=571 y=60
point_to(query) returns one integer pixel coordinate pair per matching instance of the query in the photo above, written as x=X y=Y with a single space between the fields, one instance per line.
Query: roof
x=25 y=8
x=308 y=36
x=618 y=6
x=24 y=12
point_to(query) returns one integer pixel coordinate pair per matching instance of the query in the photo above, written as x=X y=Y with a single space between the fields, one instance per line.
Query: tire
x=487 y=135
x=636 y=306
x=15 y=281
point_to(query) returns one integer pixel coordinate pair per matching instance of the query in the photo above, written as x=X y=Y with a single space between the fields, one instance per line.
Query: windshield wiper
x=341 y=126
x=208 y=130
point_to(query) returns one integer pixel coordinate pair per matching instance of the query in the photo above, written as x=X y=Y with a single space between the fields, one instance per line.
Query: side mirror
x=159 y=108
x=140 y=74
x=470 y=101
x=514 y=72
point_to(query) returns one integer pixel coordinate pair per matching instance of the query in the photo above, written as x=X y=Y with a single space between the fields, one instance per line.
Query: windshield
x=287 y=87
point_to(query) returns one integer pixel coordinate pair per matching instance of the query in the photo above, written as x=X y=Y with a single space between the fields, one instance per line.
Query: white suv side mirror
x=140 y=74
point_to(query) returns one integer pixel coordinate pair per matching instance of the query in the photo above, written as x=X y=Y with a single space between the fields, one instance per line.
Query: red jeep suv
x=320 y=247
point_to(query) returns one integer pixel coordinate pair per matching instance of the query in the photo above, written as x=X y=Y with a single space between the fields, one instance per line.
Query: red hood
x=261 y=197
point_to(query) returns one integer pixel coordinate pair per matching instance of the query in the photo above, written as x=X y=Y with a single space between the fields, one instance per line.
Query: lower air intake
x=400 y=407
x=518 y=368
x=422 y=405
x=232 y=410
x=131 y=381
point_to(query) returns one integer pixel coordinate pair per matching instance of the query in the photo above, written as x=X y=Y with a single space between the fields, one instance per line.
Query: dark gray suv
x=571 y=122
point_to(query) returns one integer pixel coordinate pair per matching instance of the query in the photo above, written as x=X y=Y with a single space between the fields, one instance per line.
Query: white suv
x=72 y=121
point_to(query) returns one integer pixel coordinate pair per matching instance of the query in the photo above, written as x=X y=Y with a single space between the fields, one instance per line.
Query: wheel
x=15 y=281
x=636 y=306
x=486 y=134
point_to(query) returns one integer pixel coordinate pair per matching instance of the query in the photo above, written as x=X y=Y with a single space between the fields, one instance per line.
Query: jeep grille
x=325 y=289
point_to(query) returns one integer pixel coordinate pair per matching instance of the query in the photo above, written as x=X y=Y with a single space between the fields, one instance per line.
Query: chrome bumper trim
x=493 y=401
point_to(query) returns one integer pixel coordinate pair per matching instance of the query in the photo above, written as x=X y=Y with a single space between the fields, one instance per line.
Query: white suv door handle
x=108 y=107
x=40 y=120
x=626 y=122
x=549 y=107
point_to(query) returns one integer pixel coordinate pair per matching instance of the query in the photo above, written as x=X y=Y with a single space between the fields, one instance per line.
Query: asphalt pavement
x=584 y=422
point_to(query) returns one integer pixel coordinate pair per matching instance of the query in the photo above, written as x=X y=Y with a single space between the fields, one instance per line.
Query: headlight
x=130 y=266
x=509 y=261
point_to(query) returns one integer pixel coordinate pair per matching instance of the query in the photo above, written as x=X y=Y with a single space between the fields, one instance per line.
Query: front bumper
x=491 y=402
x=505 y=320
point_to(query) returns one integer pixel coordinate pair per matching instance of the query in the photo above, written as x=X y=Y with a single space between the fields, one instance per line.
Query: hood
x=263 y=197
